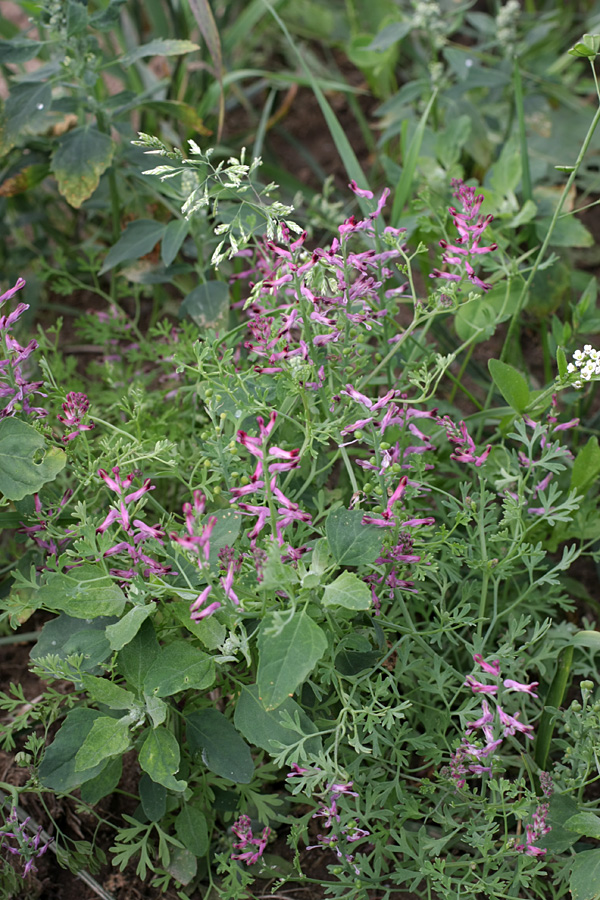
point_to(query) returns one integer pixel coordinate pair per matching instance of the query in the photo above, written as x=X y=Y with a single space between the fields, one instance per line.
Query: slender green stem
x=542 y=251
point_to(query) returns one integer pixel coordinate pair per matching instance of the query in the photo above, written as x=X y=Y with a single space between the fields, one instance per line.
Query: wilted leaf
x=78 y=162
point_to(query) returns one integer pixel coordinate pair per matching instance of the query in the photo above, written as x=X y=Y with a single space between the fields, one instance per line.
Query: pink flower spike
x=135 y=495
x=518 y=686
x=492 y=668
x=360 y=192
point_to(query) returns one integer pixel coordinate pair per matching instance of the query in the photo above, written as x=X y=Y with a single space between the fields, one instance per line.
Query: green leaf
x=66 y=635
x=19 y=50
x=223 y=751
x=348 y=591
x=568 y=232
x=153 y=797
x=57 y=770
x=27 y=103
x=510 y=383
x=181 y=112
x=586 y=823
x=225 y=531
x=288 y=652
x=192 y=831
x=210 y=631
x=559 y=838
x=104 y=783
x=124 y=631
x=561 y=362
x=585 y=876
x=159 y=47
x=174 y=235
x=82 y=155
x=390 y=35
x=587 y=47
x=137 y=656
x=182 y=865
x=26 y=461
x=207 y=305
x=477 y=319
x=586 y=466
x=159 y=757
x=84 y=592
x=177 y=667
x=589 y=639
x=140 y=237
x=107 y=737
x=156 y=708
x=350 y=542
x=261 y=727
x=108 y=693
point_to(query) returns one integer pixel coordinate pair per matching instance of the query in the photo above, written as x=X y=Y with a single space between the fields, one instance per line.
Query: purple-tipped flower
x=75 y=409
x=470 y=226
x=242 y=828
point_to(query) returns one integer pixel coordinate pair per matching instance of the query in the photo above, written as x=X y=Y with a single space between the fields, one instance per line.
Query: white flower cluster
x=587 y=361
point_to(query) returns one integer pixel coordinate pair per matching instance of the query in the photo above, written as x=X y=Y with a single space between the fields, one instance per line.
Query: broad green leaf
x=177 y=667
x=207 y=305
x=588 y=46
x=159 y=47
x=153 y=797
x=586 y=466
x=287 y=654
x=587 y=639
x=26 y=104
x=140 y=237
x=182 y=865
x=159 y=757
x=477 y=319
x=585 y=876
x=66 y=635
x=124 y=631
x=57 y=770
x=107 y=737
x=261 y=727
x=84 y=592
x=223 y=751
x=210 y=631
x=225 y=531
x=104 y=783
x=104 y=691
x=390 y=35
x=19 y=50
x=156 y=708
x=26 y=460
x=350 y=542
x=568 y=232
x=191 y=829
x=174 y=235
x=181 y=112
x=82 y=155
x=559 y=839
x=510 y=383
x=348 y=591
x=137 y=656
x=586 y=823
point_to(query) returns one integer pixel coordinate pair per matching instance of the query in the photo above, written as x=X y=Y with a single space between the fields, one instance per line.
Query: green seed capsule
x=368 y=487
x=216 y=491
x=208 y=393
x=207 y=463
x=384 y=445
x=358 y=435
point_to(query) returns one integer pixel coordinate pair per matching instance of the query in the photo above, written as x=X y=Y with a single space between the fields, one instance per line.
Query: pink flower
x=524 y=688
x=492 y=668
x=478 y=688
x=512 y=724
